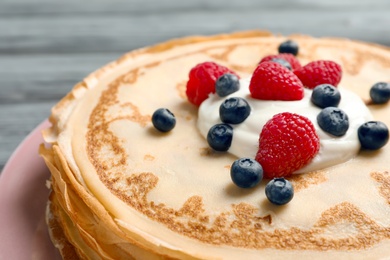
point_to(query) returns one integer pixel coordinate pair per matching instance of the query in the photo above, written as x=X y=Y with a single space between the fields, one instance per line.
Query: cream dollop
x=333 y=150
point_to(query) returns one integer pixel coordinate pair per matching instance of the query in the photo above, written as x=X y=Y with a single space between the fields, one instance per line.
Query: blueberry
x=220 y=137
x=282 y=62
x=279 y=191
x=333 y=121
x=234 y=110
x=227 y=84
x=163 y=120
x=325 y=95
x=380 y=92
x=373 y=135
x=246 y=172
x=289 y=46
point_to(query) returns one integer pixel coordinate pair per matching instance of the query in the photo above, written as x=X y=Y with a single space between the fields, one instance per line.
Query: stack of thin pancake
x=122 y=190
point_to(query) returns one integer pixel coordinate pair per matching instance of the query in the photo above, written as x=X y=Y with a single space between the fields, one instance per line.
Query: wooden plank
x=120 y=32
x=33 y=78
x=17 y=121
x=12 y=7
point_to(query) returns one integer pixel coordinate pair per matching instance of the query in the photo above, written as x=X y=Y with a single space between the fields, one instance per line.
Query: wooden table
x=46 y=46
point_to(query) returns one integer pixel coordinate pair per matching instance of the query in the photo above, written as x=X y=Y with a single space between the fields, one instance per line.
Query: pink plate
x=23 y=196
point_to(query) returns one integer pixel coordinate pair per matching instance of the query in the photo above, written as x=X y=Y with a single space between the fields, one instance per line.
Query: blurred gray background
x=46 y=46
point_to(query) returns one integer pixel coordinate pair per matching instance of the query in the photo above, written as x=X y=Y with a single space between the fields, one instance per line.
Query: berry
x=319 y=72
x=294 y=62
x=289 y=46
x=279 y=191
x=220 y=137
x=325 y=95
x=227 y=84
x=246 y=172
x=373 y=135
x=272 y=81
x=163 y=120
x=202 y=81
x=282 y=62
x=287 y=143
x=380 y=92
x=333 y=120
x=234 y=110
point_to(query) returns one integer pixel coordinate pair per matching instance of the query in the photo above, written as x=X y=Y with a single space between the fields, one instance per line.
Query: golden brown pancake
x=123 y=190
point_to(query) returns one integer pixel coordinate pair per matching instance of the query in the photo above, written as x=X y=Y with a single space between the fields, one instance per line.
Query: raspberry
x=272 y=81
x=202 y=81
x=287 y=143
x=290 y=58
x=319 y=72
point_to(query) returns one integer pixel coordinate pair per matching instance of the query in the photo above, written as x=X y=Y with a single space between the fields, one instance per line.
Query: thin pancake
x=131 y=191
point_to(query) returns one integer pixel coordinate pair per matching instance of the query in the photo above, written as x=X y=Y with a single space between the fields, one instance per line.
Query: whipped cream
x=245 y=143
